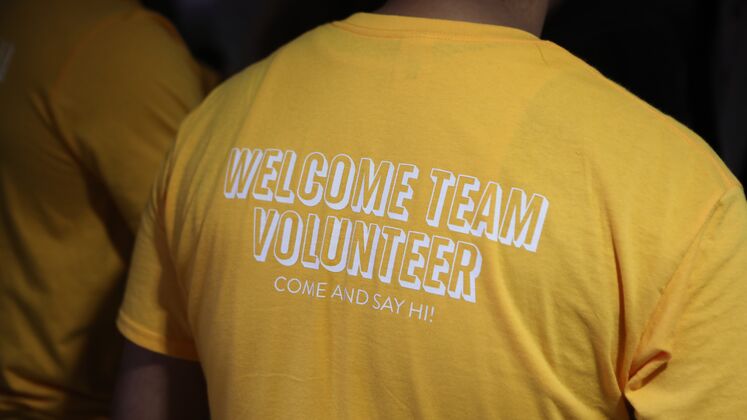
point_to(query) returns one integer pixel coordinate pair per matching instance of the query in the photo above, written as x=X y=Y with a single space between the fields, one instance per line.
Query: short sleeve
x=120 y=100
x=691 y=362
x=154 y=311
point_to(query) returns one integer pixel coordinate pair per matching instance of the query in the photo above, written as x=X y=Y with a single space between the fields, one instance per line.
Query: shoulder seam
x=671 y=127
x=695 y=241
x=62 y=73
x=82 y=42
x=53 y=95
x=668 y=124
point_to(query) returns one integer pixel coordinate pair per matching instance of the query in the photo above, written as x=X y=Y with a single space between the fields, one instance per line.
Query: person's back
x=399 y=217
x=91 y=95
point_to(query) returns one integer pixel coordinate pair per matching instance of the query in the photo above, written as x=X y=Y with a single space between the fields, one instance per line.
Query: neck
x=527 y=15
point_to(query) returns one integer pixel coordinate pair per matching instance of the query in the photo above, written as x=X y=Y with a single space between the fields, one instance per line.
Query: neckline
x=395 y=26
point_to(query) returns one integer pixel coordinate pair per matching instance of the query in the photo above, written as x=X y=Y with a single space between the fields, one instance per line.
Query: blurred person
x=91 y=95
x=430 y=212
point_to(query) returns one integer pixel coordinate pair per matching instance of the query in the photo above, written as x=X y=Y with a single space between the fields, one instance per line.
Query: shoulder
x=127 y=47
x=131 y=59
x=622 y=135
x=133 y=42
x=231 y=102
x=649 y=181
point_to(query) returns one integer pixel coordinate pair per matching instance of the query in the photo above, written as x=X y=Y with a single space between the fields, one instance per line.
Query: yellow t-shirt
x=398 y=217
x=91 y=95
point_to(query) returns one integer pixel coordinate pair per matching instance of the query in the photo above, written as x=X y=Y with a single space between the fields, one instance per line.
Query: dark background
x=688 y=58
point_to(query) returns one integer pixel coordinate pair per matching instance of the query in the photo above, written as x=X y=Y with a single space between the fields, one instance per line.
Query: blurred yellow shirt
x=398 y=217
x=91 y=95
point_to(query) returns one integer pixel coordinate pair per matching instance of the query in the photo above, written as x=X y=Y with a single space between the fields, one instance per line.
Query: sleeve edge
x=154 y=342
